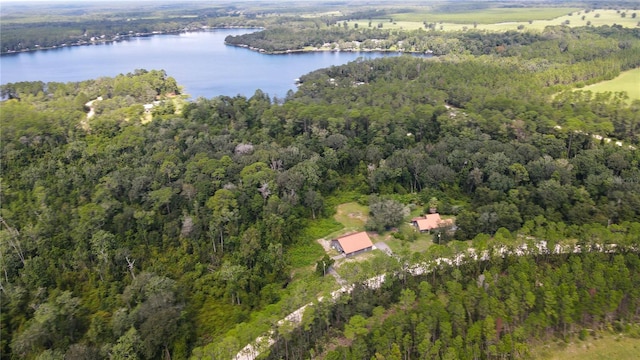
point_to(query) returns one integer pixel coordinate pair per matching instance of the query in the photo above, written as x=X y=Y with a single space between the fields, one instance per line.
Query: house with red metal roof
x=430 y=221
x=353 y=244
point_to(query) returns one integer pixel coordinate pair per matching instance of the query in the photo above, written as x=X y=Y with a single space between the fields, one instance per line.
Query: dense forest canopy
x=127 y=238
x=482 y=310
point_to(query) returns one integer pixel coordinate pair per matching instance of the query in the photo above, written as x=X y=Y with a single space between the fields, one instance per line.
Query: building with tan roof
x=353 y=244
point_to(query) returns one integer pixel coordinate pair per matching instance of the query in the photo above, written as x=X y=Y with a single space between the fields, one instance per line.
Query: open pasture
x=582 y=18
x=608 y=347
x=505 y=19
x=485 y=16
x=628 y=81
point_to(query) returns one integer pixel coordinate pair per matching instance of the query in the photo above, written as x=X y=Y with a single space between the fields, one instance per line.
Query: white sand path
x=92 y=112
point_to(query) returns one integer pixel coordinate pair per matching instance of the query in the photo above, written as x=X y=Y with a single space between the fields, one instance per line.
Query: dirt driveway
x=383 y=247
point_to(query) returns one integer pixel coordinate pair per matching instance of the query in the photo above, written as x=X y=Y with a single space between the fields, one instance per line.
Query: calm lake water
x=199 y=61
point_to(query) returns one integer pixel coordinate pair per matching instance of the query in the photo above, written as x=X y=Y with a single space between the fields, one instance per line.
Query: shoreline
x=119 y=38
x=300 y=51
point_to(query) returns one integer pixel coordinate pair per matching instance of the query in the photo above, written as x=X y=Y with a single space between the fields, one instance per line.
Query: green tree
x=224 y=207
x=128 y=346
x=324 y=265
x=357 y=326
x=385 y=213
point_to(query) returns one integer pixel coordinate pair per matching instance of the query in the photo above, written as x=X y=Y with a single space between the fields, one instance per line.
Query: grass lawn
x=628 y=81
x=352 y=216
x=420 y=244
x=618 y=347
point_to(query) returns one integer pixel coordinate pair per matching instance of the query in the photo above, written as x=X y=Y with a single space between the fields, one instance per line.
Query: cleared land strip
x=251 y=351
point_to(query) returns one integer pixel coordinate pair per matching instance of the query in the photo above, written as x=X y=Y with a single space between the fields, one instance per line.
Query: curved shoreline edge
x=125 y=37
x=301 y=51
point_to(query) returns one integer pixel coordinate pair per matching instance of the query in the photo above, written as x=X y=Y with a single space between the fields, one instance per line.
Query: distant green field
x=535 y=19
x=617 y=347
x=604 y=17
x=486 y=16
x=628 y=81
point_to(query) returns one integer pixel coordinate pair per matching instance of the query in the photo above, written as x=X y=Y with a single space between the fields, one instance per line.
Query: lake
x=199 y=61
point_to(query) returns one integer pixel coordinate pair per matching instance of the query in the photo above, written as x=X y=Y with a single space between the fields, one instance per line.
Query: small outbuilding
x=353 y=244
x=431 y=221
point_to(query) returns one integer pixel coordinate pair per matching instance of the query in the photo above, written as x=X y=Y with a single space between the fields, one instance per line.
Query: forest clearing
x=628 y=81
x=521 y=19
x=604 y=347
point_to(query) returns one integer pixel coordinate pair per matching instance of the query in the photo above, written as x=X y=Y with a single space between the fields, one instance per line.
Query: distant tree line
x=21 y=36
x=287 y=38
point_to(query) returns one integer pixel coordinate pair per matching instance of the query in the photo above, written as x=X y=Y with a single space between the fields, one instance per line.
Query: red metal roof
x=354 y=242
x=432 y=221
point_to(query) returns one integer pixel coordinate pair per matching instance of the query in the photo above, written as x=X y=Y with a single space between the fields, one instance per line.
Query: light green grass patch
x=352 y=216
x=307 y=250
x=530 y=19
x=618 y=347
x=605 y=17
x=628 y=81
x=486 y=16
x=420 y=245
x=305 y=254
x=320 y=228
x=417 y=242
x=340 y=198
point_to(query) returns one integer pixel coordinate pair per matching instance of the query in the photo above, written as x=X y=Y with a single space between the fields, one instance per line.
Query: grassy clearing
x=307 y=251
x=593 y=18
x=605 y=17
x=420 y=244
x=305 y=254
x=349 y=217
x=486 y=16
x=618 y=347
x=321 y=228
x=417 y=242
x=532 y=19
x=352 y=216
x=628 y=81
